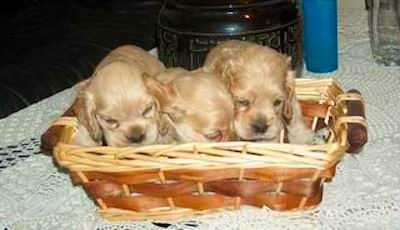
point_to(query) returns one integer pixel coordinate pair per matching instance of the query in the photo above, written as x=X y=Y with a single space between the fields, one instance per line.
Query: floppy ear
x=289 y=87
x=223 y=62
x=227 y=69
x=166 y=96
x=174 y=114
x=161 y=123
x=161 y=91
x=84 y=108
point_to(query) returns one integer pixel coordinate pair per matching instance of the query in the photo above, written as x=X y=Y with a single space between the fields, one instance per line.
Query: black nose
x=136 y=137
x=260 y=127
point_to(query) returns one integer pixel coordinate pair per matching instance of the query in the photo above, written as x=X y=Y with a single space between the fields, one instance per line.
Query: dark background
x=47 y=46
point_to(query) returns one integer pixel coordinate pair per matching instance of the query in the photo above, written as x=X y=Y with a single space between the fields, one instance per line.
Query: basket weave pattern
x=176 y=181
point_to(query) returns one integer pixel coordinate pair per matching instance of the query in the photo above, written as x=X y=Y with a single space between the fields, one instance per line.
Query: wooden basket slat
x=251 y=188
x=119 y=177
x=115 y=214
x=277 y=174
x=165 y=190
x=284 y=202
x=203 y=202
x=226 y=187
x=314 y=109
x=140 y=203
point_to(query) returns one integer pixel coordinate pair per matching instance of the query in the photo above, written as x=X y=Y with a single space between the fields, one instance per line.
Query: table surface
x=365 y=194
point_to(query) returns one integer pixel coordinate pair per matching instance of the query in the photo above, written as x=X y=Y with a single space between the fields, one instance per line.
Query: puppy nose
x=260 y=127
x=136 y=137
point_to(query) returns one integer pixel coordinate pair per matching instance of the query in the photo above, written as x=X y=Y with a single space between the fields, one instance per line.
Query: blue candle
x=320 y=35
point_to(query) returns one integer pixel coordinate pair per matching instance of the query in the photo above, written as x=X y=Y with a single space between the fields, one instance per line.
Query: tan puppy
x=197 y=105
x=261 y=82
x=114 y=107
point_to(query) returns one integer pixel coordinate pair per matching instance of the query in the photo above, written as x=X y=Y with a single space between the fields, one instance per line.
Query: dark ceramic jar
x=187 y=29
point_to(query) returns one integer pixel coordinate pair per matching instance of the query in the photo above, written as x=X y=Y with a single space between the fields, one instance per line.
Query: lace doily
x=34 y=120
x=12 y=154
x=365 y=193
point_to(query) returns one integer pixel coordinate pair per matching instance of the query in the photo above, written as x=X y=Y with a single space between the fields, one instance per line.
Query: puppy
x=114 y=107
x=261 y=83
x=196 y=104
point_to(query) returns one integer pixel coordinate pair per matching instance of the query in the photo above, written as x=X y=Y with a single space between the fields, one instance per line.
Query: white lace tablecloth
x=365 y=194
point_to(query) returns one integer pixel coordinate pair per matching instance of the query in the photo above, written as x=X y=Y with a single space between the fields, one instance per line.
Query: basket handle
x=52 y=135
x=357 y=134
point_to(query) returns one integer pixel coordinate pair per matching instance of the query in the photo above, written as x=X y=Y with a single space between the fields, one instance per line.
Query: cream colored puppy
x=114 y=107
x=261 y=83
x=196 y=103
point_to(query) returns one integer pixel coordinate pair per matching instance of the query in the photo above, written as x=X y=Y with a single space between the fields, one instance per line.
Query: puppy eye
x=216 y=136
x=242 y=103
x=114 y=123
x=148 y=110
x=277 y=103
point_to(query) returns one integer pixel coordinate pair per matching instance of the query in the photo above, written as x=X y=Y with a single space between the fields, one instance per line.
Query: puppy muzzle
x=136 y=137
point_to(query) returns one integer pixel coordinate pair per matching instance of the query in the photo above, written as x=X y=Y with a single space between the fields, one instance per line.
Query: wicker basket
x=177 y=181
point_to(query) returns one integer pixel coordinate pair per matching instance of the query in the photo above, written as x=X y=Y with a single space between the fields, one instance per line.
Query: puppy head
x=115 y=106
x=197 y=105
x=261 y=83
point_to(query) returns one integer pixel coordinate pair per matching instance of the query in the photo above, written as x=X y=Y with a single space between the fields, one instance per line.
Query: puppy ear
x=167 y=97
x=175 y=112
x=155 y=87
x=289 y=88
x=84 y=108
x=161 y=123
x=227 y=69
x=163 y=92
x=222 y=61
